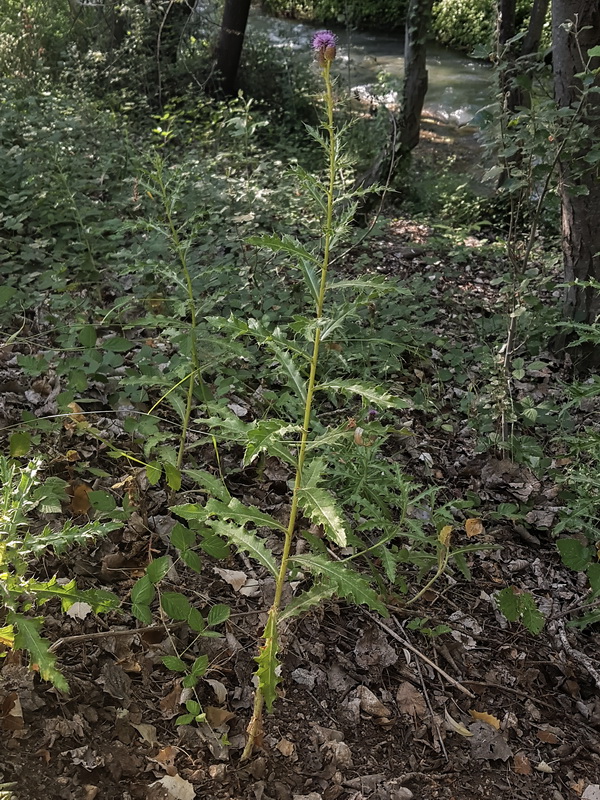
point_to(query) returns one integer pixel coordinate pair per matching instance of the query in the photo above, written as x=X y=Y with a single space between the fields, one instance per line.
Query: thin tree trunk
x=415 y=73
x=579 y=180
x=231 y=41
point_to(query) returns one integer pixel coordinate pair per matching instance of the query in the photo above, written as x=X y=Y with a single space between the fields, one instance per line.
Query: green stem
x=195 y=376
x=254 y=729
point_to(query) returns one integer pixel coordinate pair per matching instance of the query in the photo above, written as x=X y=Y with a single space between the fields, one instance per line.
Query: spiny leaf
x=267 y=436
x=268 y=663
x=320 y=506
x=285 y=243
x=370 y=392
x=248 y=542
x=313 y=597
x=346 y=582
x=287 y=364
x=213 y=485
x=242 y=514
x=29 y=639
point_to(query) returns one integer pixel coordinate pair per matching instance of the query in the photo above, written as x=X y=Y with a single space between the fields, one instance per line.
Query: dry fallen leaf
x=543 y=767
x=474 y=527
x=410 y=700
x=218 y=688
x=547 y=736
x=522 y=765
x=79 y=610
x=285 y=747
x=177 y=788
x=80 y=503
x=217 y=716
x=234 y=578
x=483 y=717
x=457 y=727
x=166 y=758
x=147 y=732
x=592 y=792
x=370 y=704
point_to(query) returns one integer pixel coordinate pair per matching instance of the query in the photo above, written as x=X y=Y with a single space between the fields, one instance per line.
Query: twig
x=83 y=637
x=434 y=724
x=585 y=661
x=418 y=653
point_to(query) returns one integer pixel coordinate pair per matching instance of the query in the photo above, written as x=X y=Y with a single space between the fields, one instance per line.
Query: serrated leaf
x=346 y=582
x=531 y=616
x=370 y=392
x=200 y=666
x=191 y=511
x=218 y=614
x=286 y=362
x=87 y=336
x=181 y=537
x=192 y=560
x=175 y=605
x=213 y=485
x=574 y=554
x=267 y=436
x=173 y=476
x=248 y=542
x=593 y=573
x=307 y=600
x=153 y=472
x=238 y=512
x=117 y=344
x=142 y=612
x=19 y=445
x=268 y=679
x=196 y=621
x=157 y=569
x=508 y=603
x=175 y=664
x=285 y=243
x=28 y=638
x=319 y=505
x=143 y=591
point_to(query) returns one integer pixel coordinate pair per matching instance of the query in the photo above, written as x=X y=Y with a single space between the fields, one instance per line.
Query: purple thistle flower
x=324 y=44
x=371 y=415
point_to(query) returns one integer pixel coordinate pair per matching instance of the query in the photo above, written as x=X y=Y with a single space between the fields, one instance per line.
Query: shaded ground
x=369 y=708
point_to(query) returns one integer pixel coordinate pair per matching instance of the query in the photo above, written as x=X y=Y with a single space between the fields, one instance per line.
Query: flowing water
x=458 y=86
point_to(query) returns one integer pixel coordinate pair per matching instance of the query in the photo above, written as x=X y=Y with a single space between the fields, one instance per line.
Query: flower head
x=324 y=44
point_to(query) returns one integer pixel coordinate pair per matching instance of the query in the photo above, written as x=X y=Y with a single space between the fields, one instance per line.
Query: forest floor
x=369 y=708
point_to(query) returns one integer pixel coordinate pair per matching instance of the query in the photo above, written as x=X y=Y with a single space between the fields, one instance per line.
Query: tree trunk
x=579 y=179
x=231 y=40
x=414 y=89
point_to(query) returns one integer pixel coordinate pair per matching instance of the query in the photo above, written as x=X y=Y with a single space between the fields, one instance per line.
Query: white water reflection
x=458 y=86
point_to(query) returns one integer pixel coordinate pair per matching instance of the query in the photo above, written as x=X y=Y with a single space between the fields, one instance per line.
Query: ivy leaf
x=346 y=582
x=28 y=638
x=370 y=392
x=319 y=505
x=247 y=541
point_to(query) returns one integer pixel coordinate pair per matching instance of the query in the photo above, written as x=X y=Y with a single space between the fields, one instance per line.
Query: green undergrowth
x=154 y=296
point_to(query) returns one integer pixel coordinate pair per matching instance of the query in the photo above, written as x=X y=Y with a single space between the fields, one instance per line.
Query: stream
x=458 y=86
